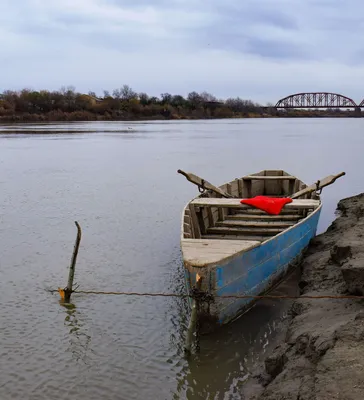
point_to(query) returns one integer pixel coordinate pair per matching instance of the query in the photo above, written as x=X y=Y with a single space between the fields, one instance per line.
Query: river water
x=119 y=181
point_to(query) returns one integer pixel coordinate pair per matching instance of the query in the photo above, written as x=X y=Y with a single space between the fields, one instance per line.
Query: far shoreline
x=41 y=118
x=124 y=104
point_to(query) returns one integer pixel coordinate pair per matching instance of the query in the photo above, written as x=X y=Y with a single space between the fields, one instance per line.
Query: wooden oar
x=318 y=185
x=203 y=184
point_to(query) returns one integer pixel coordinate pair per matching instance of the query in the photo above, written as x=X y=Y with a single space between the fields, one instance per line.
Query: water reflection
x=79 y=339
x=229 y=354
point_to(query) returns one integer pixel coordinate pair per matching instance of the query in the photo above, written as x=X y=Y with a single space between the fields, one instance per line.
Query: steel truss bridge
x=318 y=100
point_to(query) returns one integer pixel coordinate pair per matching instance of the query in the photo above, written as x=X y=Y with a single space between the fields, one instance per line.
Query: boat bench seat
x=235 y=203
x=269 y=178
x=203 y=252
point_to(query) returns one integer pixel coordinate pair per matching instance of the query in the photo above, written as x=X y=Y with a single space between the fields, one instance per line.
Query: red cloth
x=271 y=205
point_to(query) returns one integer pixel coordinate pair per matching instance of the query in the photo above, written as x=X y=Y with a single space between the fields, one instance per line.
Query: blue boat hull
x=253 y=272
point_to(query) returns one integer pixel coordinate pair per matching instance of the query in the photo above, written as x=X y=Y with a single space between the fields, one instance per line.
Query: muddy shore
x=322 y=354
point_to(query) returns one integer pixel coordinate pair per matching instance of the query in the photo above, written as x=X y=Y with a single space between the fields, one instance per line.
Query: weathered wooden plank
x=257 y=188
x=235 y=203
x=286 y=184
x=215 y=213
x=236 y=237
x=194 y=222
x=202 y=252
x=267 y=178
x=240 y=188
x=210 y=217
x=291 y=187
x=201 y=221
x=221 y=246
x=257 y=217
x=223 y=212
x=187 y=228
x=302 y=186
x=235 y=188
x=248 y=189
x=273 y=187
x=288 y=187
x=204 y=213
x=256 y=224
x=244 y=231
x=256 y=211
x=228 y=190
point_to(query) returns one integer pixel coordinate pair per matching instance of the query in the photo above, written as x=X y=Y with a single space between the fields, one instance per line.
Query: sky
x=261 y=50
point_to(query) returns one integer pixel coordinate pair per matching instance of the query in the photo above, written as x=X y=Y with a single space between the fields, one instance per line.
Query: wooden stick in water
x=71 y=275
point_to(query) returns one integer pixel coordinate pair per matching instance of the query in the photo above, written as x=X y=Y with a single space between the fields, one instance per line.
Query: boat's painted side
x=252 y=272
x=257 y=270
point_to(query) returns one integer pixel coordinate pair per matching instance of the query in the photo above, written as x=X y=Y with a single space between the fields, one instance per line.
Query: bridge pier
x=357 y=112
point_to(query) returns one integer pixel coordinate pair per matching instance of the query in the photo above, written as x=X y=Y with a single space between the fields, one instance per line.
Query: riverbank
x=125 y=104
x=89 y=117
x=84 y=116
x=322 y=354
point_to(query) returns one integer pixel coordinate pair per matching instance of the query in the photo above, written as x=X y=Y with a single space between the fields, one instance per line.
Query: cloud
x=258 y=49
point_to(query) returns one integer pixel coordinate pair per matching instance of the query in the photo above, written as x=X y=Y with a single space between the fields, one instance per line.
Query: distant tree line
x=124 y=103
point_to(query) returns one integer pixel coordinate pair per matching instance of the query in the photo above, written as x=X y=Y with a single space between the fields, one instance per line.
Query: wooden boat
x=231 y=249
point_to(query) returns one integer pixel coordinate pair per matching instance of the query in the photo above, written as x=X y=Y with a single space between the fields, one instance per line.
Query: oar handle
x=203 y=184
x=183 y=173
x=318 y=186
x=339 y=175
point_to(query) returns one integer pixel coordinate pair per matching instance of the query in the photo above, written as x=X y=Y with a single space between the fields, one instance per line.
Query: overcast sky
x=256 y=49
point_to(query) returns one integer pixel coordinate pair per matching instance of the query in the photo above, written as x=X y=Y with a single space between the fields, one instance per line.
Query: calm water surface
x=119 y=181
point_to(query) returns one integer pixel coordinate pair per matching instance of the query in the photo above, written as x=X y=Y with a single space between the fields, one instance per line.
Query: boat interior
x=213 y=221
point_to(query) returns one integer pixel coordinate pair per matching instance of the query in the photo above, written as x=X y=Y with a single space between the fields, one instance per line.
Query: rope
x=133 y=293
x=201 y=188
x=243 y=296
x=318 y=190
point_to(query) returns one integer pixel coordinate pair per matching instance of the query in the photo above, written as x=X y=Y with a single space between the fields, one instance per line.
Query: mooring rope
x=202 y=294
